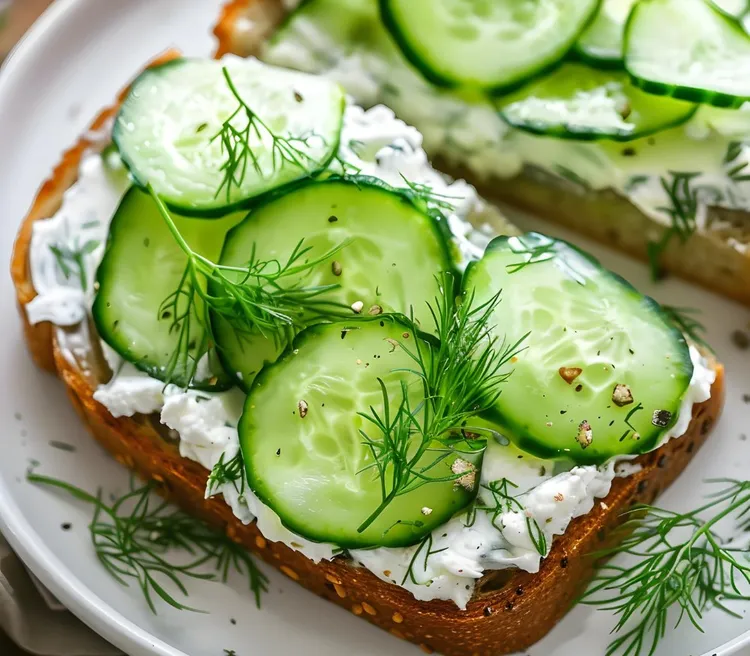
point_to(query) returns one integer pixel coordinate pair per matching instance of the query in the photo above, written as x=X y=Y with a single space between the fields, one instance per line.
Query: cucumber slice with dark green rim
x=394 y=251
x=490 y=44
x=733 y=8
x=604 y=373
x=301 y=441
x=688 y=49
x=602 y=42
x=168 y=131
x=579 y=102
x=142 y=266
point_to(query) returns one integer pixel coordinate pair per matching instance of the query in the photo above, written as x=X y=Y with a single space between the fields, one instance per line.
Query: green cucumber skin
x=582 y=136
x=613 y=64
x=219 y=210
x=107 y=331
x=391 y=25
x=518 y=432
x=692 y=94
x=587 y=134
x=403 y=535
x=440 y=229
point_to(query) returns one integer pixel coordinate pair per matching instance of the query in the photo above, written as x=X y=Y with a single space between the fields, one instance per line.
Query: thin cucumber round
x=141 y=268
x=601 y=43
x=688 y=49
x=489 y=44
x=737 y=9
x=604 y=372
x=305 y=455
x=210 y=136
x=579 y=102
x=393 y=252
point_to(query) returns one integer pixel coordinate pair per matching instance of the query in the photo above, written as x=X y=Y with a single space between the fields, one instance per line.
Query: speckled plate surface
x=69 y=66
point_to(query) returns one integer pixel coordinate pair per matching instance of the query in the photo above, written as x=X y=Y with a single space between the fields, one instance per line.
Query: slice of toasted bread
x=510 y=610
x=711 y=258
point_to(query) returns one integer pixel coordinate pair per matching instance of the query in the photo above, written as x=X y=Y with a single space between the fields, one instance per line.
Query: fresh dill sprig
x=225 y=472
x=533 y=249
x=737 y=172
x=133 y=538
x=241 y=154
x=683 y=318
x=682 y=211
x=425 y=549
x=458 y=379
x=71 y=260
x=429 y=197
x=677 y=560
x=571 y=176
x=250 y=298
x=498 y=498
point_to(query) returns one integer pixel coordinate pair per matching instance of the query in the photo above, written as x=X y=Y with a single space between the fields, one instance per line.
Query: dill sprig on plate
x=673 y=560
x=134 y=538
x=252 y=298
x=499 y=497
x=237 y=146
x=458 y=378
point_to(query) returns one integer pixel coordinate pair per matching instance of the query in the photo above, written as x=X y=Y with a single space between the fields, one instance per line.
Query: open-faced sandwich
x=264 y=297
x=625 y=120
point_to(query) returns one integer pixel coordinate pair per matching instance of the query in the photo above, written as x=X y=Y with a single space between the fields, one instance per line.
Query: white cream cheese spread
x=550 y=493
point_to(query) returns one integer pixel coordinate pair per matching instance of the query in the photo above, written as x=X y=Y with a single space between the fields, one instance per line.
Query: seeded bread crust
x=510 y=611
x=709 y=259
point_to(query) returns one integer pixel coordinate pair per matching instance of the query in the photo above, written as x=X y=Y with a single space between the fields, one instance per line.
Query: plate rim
x=90 y=608
x=80 y=600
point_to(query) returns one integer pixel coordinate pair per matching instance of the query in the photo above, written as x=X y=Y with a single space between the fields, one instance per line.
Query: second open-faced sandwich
x=625 y=120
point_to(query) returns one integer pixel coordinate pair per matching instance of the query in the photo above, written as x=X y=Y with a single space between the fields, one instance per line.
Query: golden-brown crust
x=245 y=24
x=47 y=202
x=708 y=258
x=511 y=609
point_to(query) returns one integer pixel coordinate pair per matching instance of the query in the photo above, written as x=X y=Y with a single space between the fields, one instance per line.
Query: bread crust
x=708 y=258
x=511 y=609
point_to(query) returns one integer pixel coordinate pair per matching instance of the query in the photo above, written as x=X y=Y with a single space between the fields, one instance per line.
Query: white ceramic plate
x=70 y=65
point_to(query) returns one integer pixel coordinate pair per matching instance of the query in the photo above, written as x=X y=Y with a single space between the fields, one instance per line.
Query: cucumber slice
x=688 y=49
x=491 y=44
x=732 y=8
x=302 y=446
x=578 y=102
x=169 y=131
x=601 y=43
x=142 y=266
x=604 y=373
x=394 y=251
